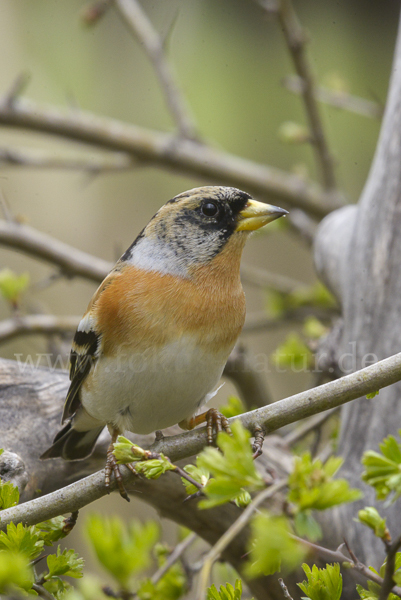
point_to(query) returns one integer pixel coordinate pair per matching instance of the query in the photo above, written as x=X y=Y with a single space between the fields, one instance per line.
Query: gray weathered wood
x=358 y=254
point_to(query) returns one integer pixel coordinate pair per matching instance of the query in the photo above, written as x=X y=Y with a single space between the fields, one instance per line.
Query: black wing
x=84 y=353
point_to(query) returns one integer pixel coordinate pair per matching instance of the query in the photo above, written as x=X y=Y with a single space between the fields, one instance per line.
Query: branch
x=336 y=556
x=271 y=418
x=35 y=244
x=262 y=278
x=250 y=383
x=388 y=581
x=165 y=150
x=17 y=157
x=36 y=324
x=340 y=99
x=142 y=28
x=310 y=425
x=295 y=38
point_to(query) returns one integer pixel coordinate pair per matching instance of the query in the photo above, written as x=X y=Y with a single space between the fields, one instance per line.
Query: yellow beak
x=257 y=214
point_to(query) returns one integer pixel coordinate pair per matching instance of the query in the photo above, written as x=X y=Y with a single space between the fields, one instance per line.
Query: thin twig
x=139 y=23
x=42 y=592
x=183 y=155
x=174 y=556
x=251 y=384
x=338 y=556
x=17 y=157
x=388 y=581
x=272 y=417
x=303 y=430
x=286 y=593
x=258 y=322
x=230 y=534
x=36 y=324
x=17 y=88
x=338 y=99
x=8 y=216
x=300 y=223
x=296 y=41
x=262 y=278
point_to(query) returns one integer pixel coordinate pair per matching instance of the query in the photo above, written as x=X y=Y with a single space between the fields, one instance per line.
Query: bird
x=154 y=340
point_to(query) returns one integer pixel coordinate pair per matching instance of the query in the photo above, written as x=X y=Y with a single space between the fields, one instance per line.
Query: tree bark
x=358 y=255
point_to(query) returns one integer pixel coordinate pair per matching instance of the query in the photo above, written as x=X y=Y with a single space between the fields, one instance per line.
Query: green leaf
x=64 y=563
x=292 y=353
x=306 y=526
x=9 y=495
x=21 y=539
x=233 y=468
x=227 y=592
x=12 y=285
x=311 y=485
x=383 y=471
x=200 y=474
x=126 y=452
x=370 y=517
x=243 y=499
x=313 y=328
x=322 y=584
x=271 y=546
x=15 y=571
x=123 y=549
x=316 y=295
x=233 y=408
x=372 y=395
x=171 y=586
x=152 y=469
x=52 y=530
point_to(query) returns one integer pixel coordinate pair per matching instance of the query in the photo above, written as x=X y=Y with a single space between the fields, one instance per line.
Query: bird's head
x=196 y=226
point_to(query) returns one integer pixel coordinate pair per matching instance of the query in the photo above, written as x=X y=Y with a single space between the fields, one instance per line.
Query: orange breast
x=139 y=309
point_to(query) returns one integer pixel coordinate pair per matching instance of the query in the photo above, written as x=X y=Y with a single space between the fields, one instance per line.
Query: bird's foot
x=213 y=419
x=257 y=446
x=113 y=467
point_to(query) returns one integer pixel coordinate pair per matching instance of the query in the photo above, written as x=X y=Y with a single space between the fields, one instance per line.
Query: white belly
x=148 y=391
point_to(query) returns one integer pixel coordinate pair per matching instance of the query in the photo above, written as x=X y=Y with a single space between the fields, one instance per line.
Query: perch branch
x=165 y=150
x=272 y=417
x=140 y=25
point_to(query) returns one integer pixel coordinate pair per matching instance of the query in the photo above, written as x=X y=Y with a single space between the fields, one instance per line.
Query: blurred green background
x=229 y=59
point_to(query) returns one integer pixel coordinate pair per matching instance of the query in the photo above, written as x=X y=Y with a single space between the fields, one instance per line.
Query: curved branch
x=165 y=150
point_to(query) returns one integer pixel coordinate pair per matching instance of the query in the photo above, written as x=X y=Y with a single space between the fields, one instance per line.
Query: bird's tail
x=71 y=444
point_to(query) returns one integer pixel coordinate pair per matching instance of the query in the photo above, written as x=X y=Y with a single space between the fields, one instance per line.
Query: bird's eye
x=210 y=209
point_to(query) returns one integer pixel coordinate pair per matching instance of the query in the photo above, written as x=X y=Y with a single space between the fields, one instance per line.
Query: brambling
x=157 y=333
